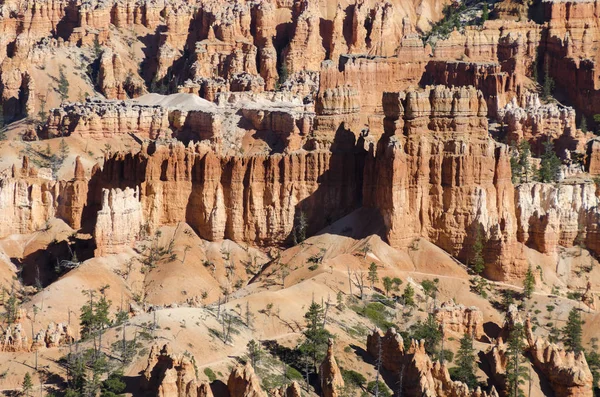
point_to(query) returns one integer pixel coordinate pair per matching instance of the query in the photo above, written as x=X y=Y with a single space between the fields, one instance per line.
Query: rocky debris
x=14 y=339
x=567 y=372
x=437 y=137
x=459 y=319
x=243 y=382
x=330 y=375
x=551 y=215
x=119 y=222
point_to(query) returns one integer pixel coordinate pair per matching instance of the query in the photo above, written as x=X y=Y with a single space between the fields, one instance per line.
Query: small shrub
x=353 y=378
x=210 y=374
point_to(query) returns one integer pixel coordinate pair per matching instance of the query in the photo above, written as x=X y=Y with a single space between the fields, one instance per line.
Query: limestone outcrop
x=54 y=335
x=538 y=123
x=460 y=320
x=170 y=375
x=14 y=339
x=101 y=119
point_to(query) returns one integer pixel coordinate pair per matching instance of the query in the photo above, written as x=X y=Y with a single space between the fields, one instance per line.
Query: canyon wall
x=257 y=199
x=437 y=174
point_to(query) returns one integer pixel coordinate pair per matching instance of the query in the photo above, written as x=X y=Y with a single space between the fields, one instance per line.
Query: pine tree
x=465 y=361
x=63 y=85
x=485 y=13
x=478 y=264
x=254 y=353
x=63 y=150
x=528 y=283
x=515 y=370
x=316 y=336
x=11 y=306
x=27 y=384
x=550 y=164
x=583 y=124
x=373 y=276
x=524 y=160
x=573 y=332
x=548 y=86
x=409 y=295
x=387 y=285
x=428 y=331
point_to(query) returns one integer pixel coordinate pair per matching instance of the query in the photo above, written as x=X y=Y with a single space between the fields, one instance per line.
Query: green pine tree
x=548 y=86
x=550 y=164
x=316 y=336
x=27 y=385
x=528 y=282
x=373 y=276
x=573 y=331
x=63 y=85
x=485 y=13
x=515 y=370
x=428 y=331
x=409 y=295
x=524 y=160
x=254 y=353
x=583 y=124
x=465 y=362
x=478 y=262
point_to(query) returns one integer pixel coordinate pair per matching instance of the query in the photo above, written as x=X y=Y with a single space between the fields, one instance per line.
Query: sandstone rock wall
x=100 y=119
x=30 y=197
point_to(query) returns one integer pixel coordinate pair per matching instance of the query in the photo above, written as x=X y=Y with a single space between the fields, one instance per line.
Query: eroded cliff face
x=30 y=197
x=557 y=215
x=437 y=174
x=257 y=199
